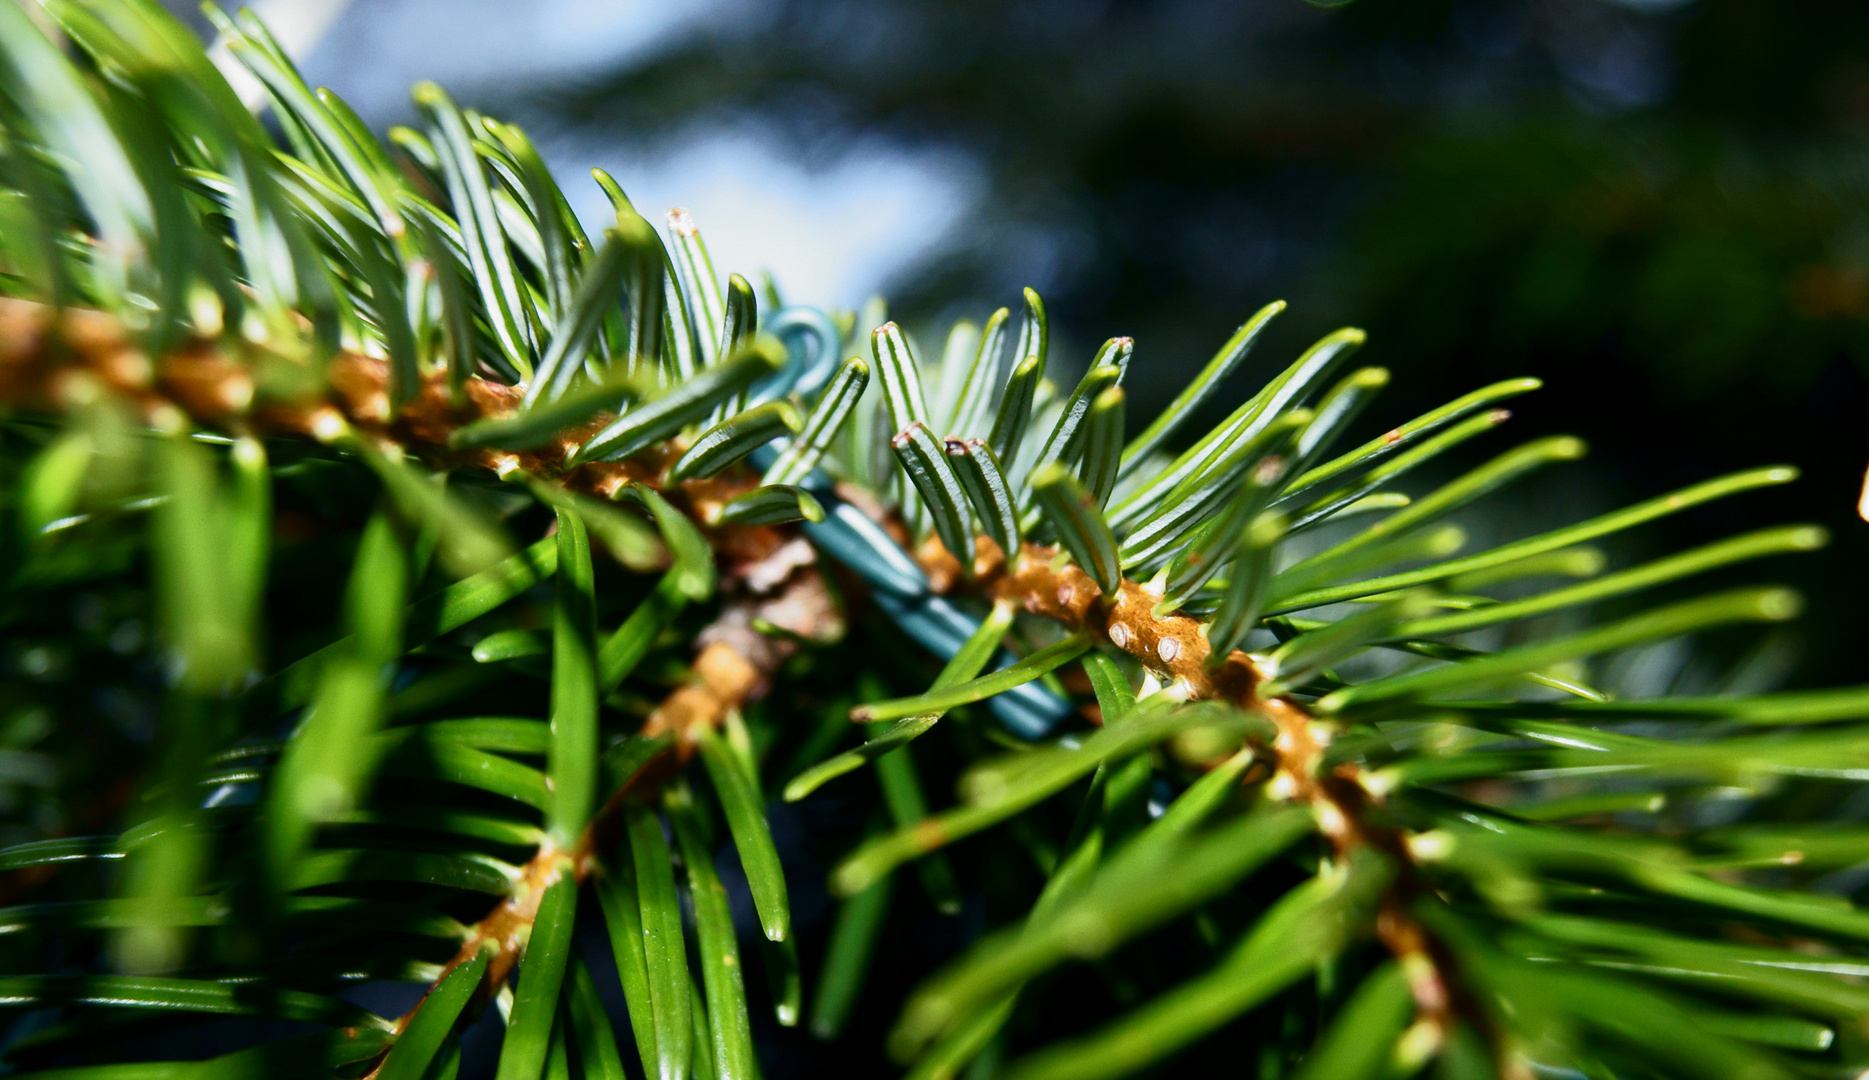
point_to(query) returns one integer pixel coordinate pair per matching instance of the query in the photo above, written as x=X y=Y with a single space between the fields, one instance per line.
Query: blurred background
x=1661 y=207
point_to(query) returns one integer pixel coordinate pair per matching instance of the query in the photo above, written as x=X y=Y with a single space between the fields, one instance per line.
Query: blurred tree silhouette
x=1657 y=205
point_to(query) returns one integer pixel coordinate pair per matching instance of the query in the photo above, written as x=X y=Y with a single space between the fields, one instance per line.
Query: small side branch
x=1175 y=649
x=54 y=360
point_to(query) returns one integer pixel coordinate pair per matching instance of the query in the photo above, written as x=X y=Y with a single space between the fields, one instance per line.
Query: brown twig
x=55 y=360
x=735 y=664
x=1174 y=648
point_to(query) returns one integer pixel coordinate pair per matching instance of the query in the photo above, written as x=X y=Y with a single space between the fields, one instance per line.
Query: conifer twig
x=52 y=359
x=1174 y=648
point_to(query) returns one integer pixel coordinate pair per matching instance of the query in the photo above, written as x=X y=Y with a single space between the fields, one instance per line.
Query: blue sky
x=832 y=231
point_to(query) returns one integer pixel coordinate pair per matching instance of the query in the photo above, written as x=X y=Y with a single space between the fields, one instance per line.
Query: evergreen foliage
x=497 y=571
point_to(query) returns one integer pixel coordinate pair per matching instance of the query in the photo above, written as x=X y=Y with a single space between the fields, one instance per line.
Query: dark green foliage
x=1404 y=825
